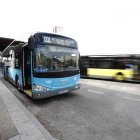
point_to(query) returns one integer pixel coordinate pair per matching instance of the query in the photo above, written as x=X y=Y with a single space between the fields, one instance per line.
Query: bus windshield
x=55 y=58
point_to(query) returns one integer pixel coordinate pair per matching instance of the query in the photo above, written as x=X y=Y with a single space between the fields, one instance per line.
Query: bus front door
x=26 y=68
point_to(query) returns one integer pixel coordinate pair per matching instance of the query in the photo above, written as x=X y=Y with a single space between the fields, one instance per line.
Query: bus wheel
x=119 y=77
x=17 y=82
x=4 y=75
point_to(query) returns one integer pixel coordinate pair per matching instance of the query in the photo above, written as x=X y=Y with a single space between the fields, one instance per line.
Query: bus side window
x=18 y=62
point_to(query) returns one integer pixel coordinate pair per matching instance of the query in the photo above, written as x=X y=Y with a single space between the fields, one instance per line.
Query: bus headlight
x=40 y=88
x=78 y=82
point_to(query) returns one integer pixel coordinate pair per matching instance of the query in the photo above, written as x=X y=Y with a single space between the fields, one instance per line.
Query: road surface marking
x=131 y=98
x=95 y=91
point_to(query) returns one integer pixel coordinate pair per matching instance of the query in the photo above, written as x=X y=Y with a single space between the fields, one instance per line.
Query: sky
x=99 y=26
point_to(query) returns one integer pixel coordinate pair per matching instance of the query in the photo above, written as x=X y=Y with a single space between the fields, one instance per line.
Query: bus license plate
x=63 y=91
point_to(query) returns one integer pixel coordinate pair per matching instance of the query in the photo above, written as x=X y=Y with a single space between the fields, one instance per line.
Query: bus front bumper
x=41 y=95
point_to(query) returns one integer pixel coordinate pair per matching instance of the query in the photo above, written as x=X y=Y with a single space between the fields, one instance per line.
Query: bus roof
x=51 y=38
x=124 y=58
x=51 y=34
x=113 y=56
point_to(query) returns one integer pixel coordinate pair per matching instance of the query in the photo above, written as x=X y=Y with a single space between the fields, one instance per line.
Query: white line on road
x=131 y=98
x=95 y=91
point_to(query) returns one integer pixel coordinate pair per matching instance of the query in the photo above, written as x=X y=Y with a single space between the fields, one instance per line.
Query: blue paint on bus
x=45 y=66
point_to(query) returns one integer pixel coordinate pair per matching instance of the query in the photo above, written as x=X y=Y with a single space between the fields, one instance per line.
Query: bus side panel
x=129 y=74
x=109 y=72
x=12 y=73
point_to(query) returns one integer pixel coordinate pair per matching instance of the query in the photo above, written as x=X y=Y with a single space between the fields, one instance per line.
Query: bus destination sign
x=59 y=41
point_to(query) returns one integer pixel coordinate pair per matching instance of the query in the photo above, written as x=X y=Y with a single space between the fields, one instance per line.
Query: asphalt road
x=100 y=110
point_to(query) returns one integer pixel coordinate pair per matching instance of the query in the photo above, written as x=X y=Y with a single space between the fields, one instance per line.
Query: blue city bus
x=47 y=65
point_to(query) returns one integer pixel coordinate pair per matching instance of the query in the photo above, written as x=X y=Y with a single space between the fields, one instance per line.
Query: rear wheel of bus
x=17 y=83
x=119 y=77
x=4 y=75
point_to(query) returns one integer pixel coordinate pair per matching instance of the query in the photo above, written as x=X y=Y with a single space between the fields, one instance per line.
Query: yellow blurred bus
x=116 y=67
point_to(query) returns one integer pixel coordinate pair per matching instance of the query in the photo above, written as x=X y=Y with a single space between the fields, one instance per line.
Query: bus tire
x=4 y=75
x=17 y=83
x=119 y=77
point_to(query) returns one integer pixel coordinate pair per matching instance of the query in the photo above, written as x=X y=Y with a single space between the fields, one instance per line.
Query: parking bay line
x=130 y=98
x=95 y=91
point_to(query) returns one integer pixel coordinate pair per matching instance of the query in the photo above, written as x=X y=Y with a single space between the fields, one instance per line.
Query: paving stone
x=6 y=123
x=4 y=115
x=24 y=126
x=8 y=133
x=15 y=138
x=32 y=134
x=1 y=104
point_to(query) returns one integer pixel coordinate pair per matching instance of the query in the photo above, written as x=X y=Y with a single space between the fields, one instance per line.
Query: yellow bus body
x=117 y=74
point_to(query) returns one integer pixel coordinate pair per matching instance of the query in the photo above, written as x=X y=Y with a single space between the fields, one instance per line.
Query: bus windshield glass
x=55 y=58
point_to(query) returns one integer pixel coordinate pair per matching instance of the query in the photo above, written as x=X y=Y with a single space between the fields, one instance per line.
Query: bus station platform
x=16 y=121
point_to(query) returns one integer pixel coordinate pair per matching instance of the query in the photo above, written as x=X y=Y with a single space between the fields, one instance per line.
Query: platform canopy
x=5 y=42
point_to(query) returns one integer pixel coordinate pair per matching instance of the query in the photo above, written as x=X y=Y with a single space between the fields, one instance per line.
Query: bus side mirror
x=31 y=43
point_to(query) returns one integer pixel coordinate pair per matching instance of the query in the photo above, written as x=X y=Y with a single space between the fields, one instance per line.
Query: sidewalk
x=16 y=122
